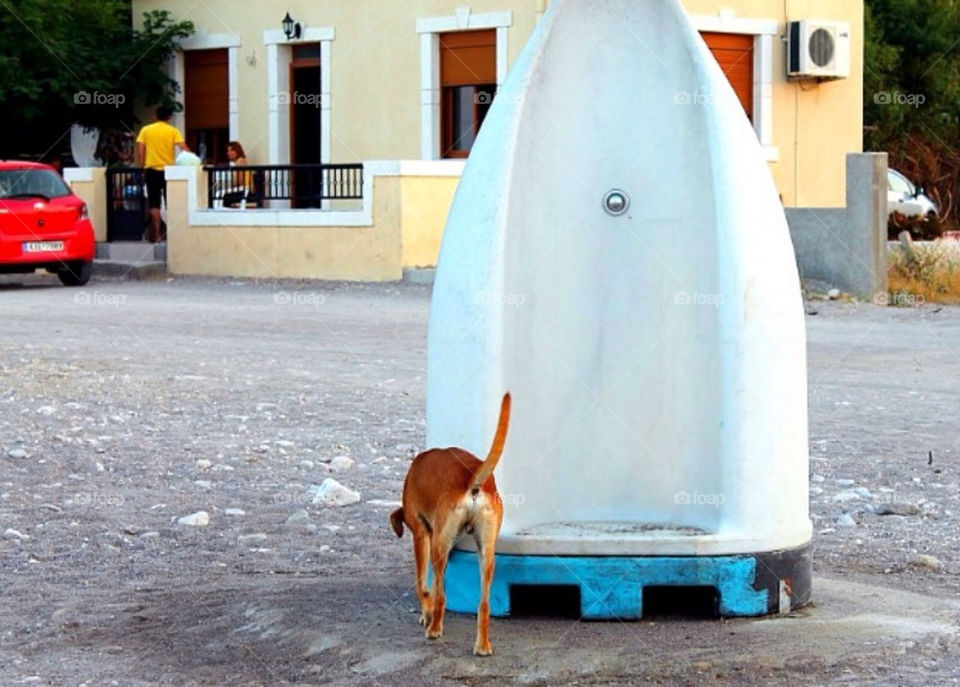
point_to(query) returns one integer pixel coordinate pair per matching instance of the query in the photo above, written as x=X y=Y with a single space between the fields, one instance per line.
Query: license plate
x=42 y=246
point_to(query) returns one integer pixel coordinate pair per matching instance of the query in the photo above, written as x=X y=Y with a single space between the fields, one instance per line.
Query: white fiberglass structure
x=618 y=259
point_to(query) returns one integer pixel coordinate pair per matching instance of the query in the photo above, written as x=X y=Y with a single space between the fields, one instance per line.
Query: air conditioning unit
x=818 y=49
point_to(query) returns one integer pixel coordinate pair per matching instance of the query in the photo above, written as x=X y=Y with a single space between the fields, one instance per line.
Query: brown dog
x=447 y=492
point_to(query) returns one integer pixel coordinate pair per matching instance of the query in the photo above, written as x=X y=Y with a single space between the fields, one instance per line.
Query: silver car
x=905 y=198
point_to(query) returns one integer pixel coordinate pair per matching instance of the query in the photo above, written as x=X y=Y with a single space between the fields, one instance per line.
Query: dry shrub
x=932 y=275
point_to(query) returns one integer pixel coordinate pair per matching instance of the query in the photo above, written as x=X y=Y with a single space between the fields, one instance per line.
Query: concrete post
x=867 y=221
x=847 y=246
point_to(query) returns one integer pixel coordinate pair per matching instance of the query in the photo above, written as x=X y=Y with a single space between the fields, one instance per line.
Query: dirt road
x=127 y=406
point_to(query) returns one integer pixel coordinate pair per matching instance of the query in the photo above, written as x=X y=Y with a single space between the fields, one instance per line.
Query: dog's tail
x=396 y=522
x=496 y=448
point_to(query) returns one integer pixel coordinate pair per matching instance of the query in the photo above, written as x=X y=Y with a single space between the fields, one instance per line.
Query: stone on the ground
x=204 y=464
x=846 y=520
x=897 y=509
x=199 y=519
x=341 y=463
x=11 y=533
x=923 y=560
x=299 y=515
x=17 y=453
x=845 y=496
x=833 y=294
x=234 y=511
x=384 y=503
x=331 y=493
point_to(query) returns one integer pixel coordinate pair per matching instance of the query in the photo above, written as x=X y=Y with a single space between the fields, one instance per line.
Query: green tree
x=911 y=71
x=79 y=61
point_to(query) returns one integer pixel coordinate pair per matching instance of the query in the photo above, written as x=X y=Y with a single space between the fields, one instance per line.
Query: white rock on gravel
x=923 y=560
x=341 y=463
x=386 y=504
x=204 y=464
x=199 y=519
x=11 y=533
x=258 y=536
x=332 y=494
x=17 y=453
x=845 y=482
x=299 y=515
x=846 y=520
x=234 y=511
x=845 y=496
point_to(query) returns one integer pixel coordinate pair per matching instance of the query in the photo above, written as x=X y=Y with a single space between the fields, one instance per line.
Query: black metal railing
x=126 y=204
x=305 y=186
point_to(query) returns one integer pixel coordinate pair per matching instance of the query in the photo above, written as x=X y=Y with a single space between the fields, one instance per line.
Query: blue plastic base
x=612 y=587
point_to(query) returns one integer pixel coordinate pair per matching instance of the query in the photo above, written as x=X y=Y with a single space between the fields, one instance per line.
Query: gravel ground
x=125 y=406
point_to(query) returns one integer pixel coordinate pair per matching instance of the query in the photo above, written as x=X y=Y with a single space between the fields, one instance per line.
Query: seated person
x=240 y=183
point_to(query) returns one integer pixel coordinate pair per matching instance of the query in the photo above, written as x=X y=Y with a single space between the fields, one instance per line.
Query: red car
x=43 y=225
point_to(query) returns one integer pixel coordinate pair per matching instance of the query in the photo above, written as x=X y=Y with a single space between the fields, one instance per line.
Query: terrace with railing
x=251 y=187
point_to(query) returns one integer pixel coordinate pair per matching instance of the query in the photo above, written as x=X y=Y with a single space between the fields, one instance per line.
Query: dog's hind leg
x=439 y=550
x=421 y=554
x=486 y=540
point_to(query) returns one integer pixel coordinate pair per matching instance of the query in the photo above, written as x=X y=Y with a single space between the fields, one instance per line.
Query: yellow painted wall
x=337 y=253
x=425 y=204
x=375 y=77
x=94 y=194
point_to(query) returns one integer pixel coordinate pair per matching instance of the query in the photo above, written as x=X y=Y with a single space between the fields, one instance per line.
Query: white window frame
x=279 y=57
x=430 y=29
x=210 y=41
x=763 y=32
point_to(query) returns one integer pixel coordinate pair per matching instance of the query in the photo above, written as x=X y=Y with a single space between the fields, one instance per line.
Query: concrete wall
x=90 y=185
x=400 y=225
x=375 y=73
x=847 y=247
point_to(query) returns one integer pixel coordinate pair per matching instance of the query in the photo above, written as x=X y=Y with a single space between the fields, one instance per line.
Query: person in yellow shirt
x=156 y=148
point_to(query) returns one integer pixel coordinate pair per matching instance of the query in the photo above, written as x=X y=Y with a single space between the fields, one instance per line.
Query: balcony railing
x=304 y=186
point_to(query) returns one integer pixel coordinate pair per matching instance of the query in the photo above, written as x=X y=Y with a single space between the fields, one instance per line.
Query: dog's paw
x=424 y=620
x=483 y=650
x=434 y=633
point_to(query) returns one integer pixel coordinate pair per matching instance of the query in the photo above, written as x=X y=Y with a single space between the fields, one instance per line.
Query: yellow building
x=410 y=80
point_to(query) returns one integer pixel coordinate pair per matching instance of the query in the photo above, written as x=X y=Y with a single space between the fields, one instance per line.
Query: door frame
x=209 y=41
x=279 y=58
x=295 y=64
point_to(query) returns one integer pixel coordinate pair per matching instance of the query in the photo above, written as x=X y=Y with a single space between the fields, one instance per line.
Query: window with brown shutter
x=734 y=54
x=468 y=80
x=205 y=96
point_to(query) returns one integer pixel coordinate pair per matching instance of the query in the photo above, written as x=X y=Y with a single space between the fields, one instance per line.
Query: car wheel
x=76 y=273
